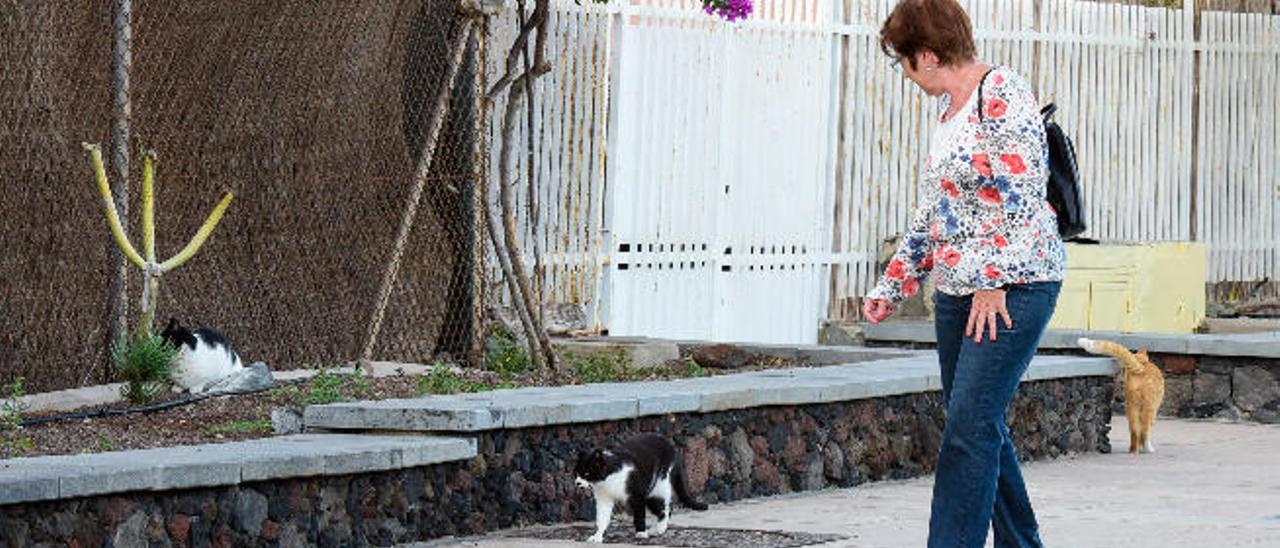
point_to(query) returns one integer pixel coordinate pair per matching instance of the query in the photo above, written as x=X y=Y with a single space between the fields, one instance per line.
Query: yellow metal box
x=1156 y=287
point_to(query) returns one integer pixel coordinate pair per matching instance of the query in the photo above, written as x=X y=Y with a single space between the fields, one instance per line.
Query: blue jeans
x=978 y=482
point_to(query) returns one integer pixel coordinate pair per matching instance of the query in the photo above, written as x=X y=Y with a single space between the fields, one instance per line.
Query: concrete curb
x=67 y=476
x=1255 y=345
x=528 y=407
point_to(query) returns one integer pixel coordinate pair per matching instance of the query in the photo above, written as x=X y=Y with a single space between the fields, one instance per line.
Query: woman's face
x=924 y=73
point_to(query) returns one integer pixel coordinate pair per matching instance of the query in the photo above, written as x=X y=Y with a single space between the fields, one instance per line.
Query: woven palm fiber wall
x=313 y=113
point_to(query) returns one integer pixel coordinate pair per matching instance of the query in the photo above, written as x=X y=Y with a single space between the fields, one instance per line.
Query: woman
x=983 y=223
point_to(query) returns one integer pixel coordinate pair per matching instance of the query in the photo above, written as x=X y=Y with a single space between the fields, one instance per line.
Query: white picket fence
x=697 y=179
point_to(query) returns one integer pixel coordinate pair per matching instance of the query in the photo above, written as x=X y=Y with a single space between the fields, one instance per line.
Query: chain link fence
x=314 y=114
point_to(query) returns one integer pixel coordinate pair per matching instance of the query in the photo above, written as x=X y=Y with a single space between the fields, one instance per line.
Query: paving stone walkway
x=1210 y=484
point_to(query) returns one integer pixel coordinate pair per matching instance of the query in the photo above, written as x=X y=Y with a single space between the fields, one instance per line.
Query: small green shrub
x=441 y=380
x=687 y=368
x=327 y=386
x=144 y=360
x=596 y=367
x=262 y=425
x=12 y=443
x=505 y=355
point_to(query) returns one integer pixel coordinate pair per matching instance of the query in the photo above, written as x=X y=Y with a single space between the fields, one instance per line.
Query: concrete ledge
x=641 y=353
x=1254 y=345
x=529 y=407
x=105 y=394
x=818 y=354
x=67 y=476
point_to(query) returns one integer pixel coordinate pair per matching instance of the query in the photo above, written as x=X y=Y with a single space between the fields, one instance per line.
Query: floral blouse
x=982 y=218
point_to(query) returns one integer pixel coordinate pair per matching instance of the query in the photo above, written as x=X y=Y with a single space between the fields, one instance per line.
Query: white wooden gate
x=718 y=174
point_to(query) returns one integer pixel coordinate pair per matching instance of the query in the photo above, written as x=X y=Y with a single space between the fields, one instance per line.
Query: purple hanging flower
x=730 y=10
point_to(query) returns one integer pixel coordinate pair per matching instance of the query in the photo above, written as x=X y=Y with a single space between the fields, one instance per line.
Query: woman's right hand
x=876 y=310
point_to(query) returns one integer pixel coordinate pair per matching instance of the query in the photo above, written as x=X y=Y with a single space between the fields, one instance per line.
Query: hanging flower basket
x=730 y=10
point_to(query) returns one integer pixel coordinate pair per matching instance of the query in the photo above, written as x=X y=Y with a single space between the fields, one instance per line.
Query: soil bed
x=248 y=416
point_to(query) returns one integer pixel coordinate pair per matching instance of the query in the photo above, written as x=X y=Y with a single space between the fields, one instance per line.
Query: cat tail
x=1108 y=348
x=682 y=489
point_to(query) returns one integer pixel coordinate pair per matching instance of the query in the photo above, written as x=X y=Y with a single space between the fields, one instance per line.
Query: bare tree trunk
x=438 y=113
x=514 y=95
x=539 y=269
x=510 y=274
x=121 y=115
x=513 y=286
x=479 y=178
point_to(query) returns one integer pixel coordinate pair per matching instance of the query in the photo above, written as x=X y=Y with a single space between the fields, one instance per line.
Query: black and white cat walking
x=644 y=472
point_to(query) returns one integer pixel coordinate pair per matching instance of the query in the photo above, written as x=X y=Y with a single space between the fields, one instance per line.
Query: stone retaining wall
x=524 y=475
x=1222 y=387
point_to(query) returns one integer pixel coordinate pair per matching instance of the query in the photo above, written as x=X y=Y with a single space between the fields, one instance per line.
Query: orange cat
x=1143 y=390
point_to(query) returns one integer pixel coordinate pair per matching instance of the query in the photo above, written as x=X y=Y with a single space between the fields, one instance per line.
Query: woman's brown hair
x=940 y=26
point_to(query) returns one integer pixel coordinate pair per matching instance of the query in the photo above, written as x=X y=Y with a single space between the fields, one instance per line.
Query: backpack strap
x=1047 y=111
x=982 y=83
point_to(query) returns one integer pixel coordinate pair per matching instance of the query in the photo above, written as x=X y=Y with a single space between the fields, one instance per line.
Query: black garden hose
x=160 y=406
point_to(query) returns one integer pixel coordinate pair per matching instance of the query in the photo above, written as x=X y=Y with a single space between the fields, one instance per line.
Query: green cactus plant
x=146 y=261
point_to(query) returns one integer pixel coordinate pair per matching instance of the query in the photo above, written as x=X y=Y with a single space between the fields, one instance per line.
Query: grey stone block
x=44 y=478
x=286 y=420
x=902 y=385
x=406 y=415
x=1216 y=364
x=913 y=331
x=524 y=414
x=1259 y=345
x=1262 y=345
x=285 y=456
x=582 y=406
x=1211 y=389
x=795 y=394
x=1178 y=392
x=1266 y=415
x=663 y=404
x=1056 y=367
x=848 y=391
x=602 y=409
x=842 y=334
x=1254 y=387
x=321 y=454
x=726 y=395
x=254 y=377
x=25 y=485
x=351 y=461
x=133 y=532
x=282 y=466
x=435 y=450
x=150 y=470
x=250 y=511
x=840 y=356
x=642 y=353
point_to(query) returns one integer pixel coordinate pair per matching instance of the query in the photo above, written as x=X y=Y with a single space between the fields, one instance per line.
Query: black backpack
x=1063 y=191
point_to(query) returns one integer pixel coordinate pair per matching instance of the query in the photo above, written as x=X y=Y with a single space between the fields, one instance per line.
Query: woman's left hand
x=987 y=304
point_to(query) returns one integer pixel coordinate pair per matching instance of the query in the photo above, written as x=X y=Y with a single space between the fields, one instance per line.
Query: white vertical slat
x=1201 y=144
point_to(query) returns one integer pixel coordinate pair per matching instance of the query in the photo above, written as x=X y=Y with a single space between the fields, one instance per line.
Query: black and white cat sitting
x=205 y=360
x=643 y=472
